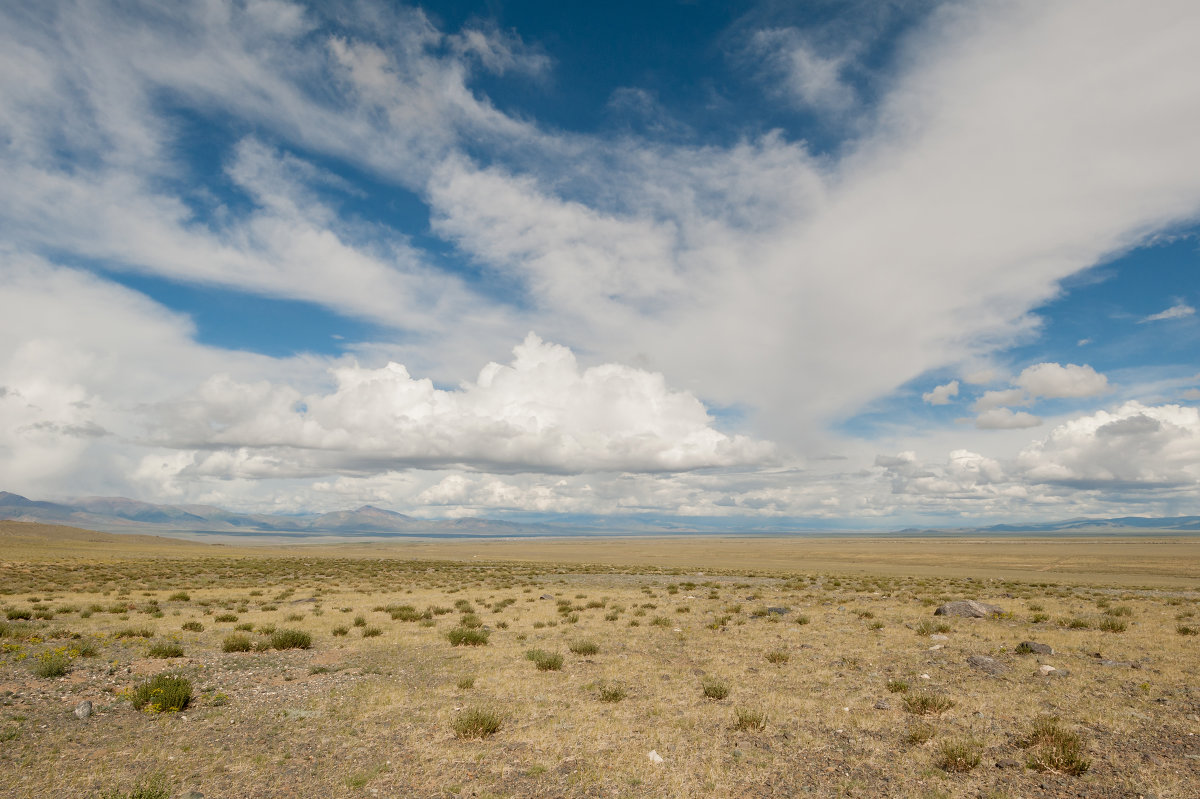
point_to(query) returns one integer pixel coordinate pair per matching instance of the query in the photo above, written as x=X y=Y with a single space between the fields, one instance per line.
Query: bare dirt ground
x=826 y=654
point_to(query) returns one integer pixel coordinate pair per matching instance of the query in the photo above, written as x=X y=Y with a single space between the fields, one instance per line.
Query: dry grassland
x=767 y=668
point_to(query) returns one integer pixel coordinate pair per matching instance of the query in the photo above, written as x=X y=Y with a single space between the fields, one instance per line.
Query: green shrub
x=1183 y=629
x=163 y=693
x=371 y=632
x=584 y=647
x=470 y=621
x=291 y=639
x=461 y=636
x=778 y=657
x=236 y=643
x=746 y=719
x=15 y=614
x=466 y=683
x=165 y=649
x=51 y=664
x=134 y=632
x=714 y=688
x=926 y=704
x=153 y=787
x=193 y=626
x=225 y=617
x=1054 y=748
x=476 y=723
x=958 y=754
x=897 y=686
x=179 y=596
x=611 y=692
x=1111 y=624
x=545 y=661
x=1038 y=618
x=340 y=630
x=920 y=733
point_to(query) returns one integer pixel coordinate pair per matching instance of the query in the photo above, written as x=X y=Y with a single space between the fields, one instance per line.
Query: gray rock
x=778 y=611
x=985 y=663
x=883 y=704
x=939 y=637
x=969 y=608
x=83 y=710
x=1033 y=647
x=192 y=795
x=1008 y=762
x=545 y=596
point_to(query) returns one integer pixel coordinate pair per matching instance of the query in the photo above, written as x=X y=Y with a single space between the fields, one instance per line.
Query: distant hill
x=121 y=515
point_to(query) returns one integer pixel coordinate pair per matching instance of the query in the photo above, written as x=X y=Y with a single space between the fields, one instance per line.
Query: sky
x=780 y=264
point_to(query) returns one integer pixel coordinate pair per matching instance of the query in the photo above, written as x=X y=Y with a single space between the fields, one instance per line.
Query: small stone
x=192 y=795
x=939 y=637
x=1046 y=669
x=969 y=608
x=1007 y=762
x=987 y=664
x=655 y=757
x=83 y=710
x=778 y=611
x=1026 y=647
x=545 y=596
x=883 y=704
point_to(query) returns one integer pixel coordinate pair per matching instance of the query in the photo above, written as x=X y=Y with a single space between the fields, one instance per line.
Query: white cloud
x=1134 y=445
x=999 y=397
x=941 y=395
x=539 y=413
x=810 y=78
x=1179 y=310
x=1005 y=419
x=1052 y=381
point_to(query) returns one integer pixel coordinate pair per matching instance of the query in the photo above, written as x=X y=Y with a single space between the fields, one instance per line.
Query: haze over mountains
x=121 y=515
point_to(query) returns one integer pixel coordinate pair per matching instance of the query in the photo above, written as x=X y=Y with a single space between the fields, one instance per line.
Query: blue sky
x=814 y=264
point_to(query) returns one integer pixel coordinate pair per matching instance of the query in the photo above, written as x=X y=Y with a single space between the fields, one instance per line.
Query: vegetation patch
x=164 y=693
x=477 y=722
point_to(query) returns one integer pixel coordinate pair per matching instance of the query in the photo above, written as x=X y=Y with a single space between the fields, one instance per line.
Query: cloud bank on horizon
x=879 y=266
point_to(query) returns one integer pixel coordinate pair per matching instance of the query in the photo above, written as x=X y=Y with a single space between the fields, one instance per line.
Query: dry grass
x=799 y=714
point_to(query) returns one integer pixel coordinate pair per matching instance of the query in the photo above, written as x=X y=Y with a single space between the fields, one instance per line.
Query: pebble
x=83 y=710
x=655 y=757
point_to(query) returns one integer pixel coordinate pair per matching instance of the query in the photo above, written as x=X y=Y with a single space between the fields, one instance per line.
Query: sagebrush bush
x=192 y=626
x=958 y=754
x=461 y=636
x=611 y=692
x=51 y=664
x=165 y=649
x=163 y=693
x=291 y=639
x=714 y=688
x=236 y=643
x=545 y=661
x=1054 y=748
x=584 y=647
x=477 y=723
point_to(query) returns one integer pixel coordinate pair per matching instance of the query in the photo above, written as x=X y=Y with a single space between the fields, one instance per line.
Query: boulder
x=83 y=710
x=1033 y=647
x=968 y=608
x=985 y=663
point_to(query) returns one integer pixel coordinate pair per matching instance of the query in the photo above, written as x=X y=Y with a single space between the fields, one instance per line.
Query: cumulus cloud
x=541 y=412
x=1005 y=419
x=810 y=78
x=1179 y=310
x=942 y=395
x=1052 y=381
x=1132 y=446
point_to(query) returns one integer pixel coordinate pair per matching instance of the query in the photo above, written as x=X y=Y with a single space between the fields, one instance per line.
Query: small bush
x=545 y=661
x=361 y=621
x=1119 y=610
x=266 y=629
x=1054 y=748
x=585 y=647
x=18 y=614
x=244 y=627
x=802 y=619
x=714 y=688
x=163 y=694
x=371 y=632
x=179 y=596
x=134 y=632
x=1183 y=629
x=1038 y=618
x=153 y=787
x=165 y=649
x=746 y=719
x=778 y=657
x=470 y=621
x=926 y=704
x=477 y=723
x=225 y=617
x=291 y=639
x=51 y=664
x=340 y=630
x=611 y=692
x=1076 y=624
x=958 y=754
x=461 y=636
x=466 y=683
x=236 y=643
x=193 y=626
x=897 y=686
x=920 y=733
x=1110 y=624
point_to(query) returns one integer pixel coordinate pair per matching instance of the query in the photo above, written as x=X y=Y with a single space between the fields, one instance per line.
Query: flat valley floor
x=682 y=667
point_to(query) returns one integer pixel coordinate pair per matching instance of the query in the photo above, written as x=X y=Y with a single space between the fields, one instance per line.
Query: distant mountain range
x=120 y=515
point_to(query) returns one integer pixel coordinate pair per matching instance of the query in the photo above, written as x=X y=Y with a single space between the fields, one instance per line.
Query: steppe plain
x=748 y=667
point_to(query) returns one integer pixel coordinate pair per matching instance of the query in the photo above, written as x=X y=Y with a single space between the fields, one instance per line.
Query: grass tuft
x=584 y=647
x=477 y=723
x=461 y=636
x=1052 y=747
x=163 y=693
x=746 y=719
x=545 y=661
x=291 y=639
x=926 y=704
x=958 y=754
x=714 y=688
x=236 y=643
